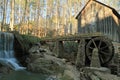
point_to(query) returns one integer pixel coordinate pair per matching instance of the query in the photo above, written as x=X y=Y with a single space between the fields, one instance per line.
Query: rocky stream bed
x=42 y=61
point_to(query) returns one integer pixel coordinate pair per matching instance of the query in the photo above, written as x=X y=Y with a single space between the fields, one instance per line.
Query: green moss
x=26 y=40
x=30 y=40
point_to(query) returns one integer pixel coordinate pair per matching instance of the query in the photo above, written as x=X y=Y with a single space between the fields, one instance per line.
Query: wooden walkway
x=71 y=37
x=86 y=44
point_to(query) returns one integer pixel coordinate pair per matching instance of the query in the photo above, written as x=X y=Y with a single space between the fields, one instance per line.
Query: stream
x=23 y=75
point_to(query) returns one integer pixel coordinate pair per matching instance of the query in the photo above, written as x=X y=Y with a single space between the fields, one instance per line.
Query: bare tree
x=4 y=8
x=12 y=15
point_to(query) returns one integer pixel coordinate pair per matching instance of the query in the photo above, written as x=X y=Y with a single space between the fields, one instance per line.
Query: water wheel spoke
x=101 y=59
x=103 y=47
x=99 y=44
x=94 y=43
x=105 y=53
x=91 y=47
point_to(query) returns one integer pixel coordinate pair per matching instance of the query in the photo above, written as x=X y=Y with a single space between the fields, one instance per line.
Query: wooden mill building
x=98 y=17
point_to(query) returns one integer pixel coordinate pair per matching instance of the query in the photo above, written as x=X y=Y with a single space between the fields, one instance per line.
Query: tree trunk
x=24 y=12
x=4 y=15
x=12 y=15
x=38 y=16
x=25 y=17
x=19 y=15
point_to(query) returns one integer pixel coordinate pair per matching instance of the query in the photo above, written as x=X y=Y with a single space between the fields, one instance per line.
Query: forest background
x=43 y=18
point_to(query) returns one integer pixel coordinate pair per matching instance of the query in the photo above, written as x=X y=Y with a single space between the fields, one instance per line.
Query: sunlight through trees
x=43 y=17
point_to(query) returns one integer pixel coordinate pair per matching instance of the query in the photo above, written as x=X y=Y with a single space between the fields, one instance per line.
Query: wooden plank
x=72 y=37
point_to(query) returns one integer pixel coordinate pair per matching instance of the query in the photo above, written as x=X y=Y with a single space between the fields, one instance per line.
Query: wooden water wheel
x=105 y=49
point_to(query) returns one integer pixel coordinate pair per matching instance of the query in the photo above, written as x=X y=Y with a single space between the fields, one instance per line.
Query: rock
x=38 y=69
x=36 y=49
x=52 y=77
x=85 y=76
x=45 y=66
x=42 y=50
x=93 y=77
x=38 y=44
x=35 y=52
x=20 y=48
x=33 y=49
x=35 y=56
x=91 y=73
x=61 y=62
x=95 y=62
x=92 y=69
x=66 y=77
x=40 y=61
x=5 y=70
x=72 y=72
x=105 y=76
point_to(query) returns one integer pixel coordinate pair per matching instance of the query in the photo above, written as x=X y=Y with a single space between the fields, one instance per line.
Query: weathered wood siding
x=99 y=18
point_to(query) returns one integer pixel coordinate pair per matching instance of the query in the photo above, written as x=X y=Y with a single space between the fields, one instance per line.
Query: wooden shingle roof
x=113 y=10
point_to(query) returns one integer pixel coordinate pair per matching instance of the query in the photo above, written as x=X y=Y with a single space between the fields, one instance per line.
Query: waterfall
x=7 y=56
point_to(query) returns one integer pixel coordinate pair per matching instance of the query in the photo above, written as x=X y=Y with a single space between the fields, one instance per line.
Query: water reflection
x=23 y=75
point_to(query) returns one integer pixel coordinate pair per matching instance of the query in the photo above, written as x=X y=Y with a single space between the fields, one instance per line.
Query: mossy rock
x=29 y=41
x=22 y=43
x=26 y=41
x=45 y=66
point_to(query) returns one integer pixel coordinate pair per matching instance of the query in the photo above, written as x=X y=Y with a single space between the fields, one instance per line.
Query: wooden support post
x=80 y=61
x=55 y=50
x=59 y=49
